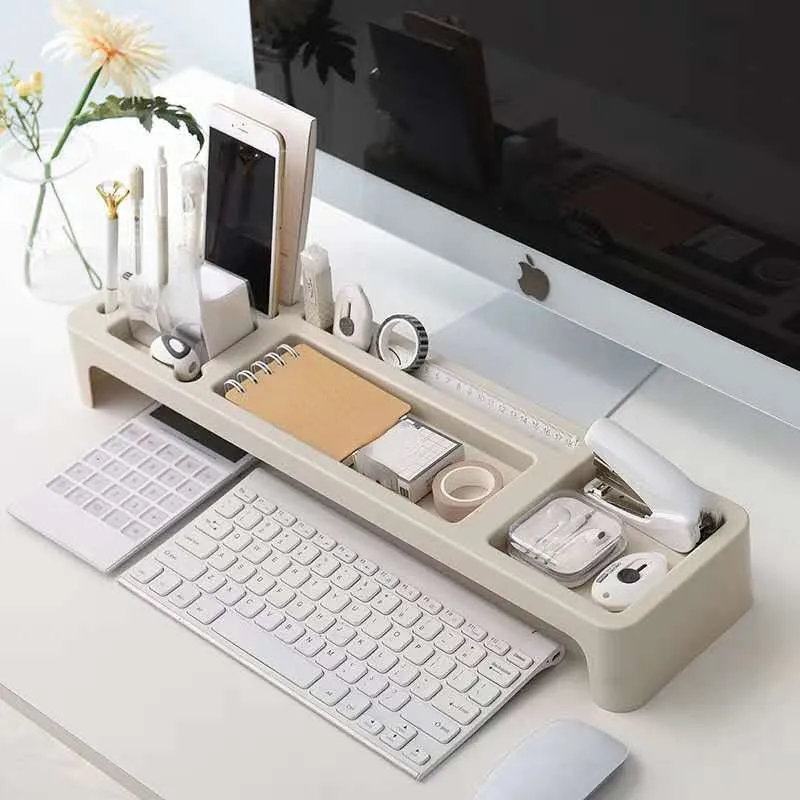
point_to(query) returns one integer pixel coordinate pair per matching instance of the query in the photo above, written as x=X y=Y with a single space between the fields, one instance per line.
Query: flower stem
x=37 y=216
x=94 y=278
x=78 y=108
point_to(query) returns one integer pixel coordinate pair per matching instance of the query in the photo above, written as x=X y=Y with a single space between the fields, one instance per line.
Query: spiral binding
x=266 y=364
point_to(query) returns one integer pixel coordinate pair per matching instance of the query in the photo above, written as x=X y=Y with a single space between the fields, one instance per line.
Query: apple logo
x=533 y=281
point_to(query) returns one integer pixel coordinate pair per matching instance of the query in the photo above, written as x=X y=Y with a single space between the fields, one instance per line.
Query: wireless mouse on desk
x=567 y=760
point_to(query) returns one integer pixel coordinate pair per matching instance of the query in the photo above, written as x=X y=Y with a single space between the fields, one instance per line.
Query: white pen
x=113 y=193
x=137 y=193
x=162 y=218
x=193 y=186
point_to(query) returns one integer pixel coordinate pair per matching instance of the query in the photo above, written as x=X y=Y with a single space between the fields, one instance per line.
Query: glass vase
x=47 y=192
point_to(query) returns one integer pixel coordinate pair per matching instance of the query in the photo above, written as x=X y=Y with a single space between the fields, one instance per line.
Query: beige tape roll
x=460 y=488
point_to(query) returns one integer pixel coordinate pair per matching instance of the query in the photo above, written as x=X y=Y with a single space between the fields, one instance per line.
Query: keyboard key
x=172 y=504
x=430 y=721
x=207 y=476
x=425 y=687
x=372 y=684
x=146 y=570
x=497 y=646
x=320 y=621
x=151 y=443
x=462 y=680
x=117 y=519
x=289 y=631
x=132 y=432
x=205 y=610
x=214 y=526
x=429 y=604
x=238 y=540
x=304 y=530
x=323 y=541
x=354 y=705
x=280 y=596
x=153 y=492
x=170 y=477
x=228 y=507
x=440 y=666
x=394 y=740
x=370 y=724
x=387 y=579
x=296 y=576
x=135 y=505
x=362 y=647
x=484 y=693
x=98 y=508
x=154 y=517
x=397 y=639
x=340 y=634
x=376 y=626
x=260 y=584
x=211 y=581
x=79 y=472
x=451 y=618
x=256 y=551
x=325 y=565
x=198 y=544
x=135 y=530
x=394 y=698
x=404 y=674
x=386 y=602
x=456 y=707
x=115 y=470
x=449 y=641
x=269 y=619
x=152 y=467
x=499 y=671
x=315 y=588
x=116 y=444
x=406 y=615
x=241 y=571
x=330 y=690
x=418 y=652
x=230 y=594
x=305 y=554
x=190 y=490
x=267 y=650
x=221 y=559
x=365 y=590
x=286 y=542
x=188 y=464
x=428 y=628
x=264 y=506
x=519 y=659
x=335 y=600
x=276 y=564
x=474 y=632
x=248 y=519
x=133 y=456
x=98 y=483
x=245 y=493
x=184 y=595
x=300 y=608
x=267 y=530
x=415 y=753
x=164 y=583
x=365 y=566
x=471 y=654
x=345 y=554
x=96 y=459
x=133 y=481
x=356 y=613
x=170 y=453
x=284 y=517
x=352 y=671
x=310 y=644
x=382 y=660
x=408 y=732
x=331 y=657
x=408 y=592
x=344 y=577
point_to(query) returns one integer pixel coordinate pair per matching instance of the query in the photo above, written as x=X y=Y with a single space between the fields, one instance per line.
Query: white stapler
x=647 y=491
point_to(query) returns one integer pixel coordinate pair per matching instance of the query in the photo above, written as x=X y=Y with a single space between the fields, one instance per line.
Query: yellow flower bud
x=36 y=82
x=23 y=88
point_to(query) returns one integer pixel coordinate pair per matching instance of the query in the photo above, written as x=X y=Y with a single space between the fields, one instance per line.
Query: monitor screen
x=654 y=146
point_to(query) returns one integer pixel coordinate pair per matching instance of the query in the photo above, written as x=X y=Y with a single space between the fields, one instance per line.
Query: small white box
x=408 y=457
x=225 y=312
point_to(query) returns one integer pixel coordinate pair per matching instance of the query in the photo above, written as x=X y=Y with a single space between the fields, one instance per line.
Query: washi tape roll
x=460 y=488
x=402 y=341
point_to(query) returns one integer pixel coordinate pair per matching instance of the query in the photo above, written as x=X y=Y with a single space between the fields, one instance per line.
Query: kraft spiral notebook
x=316 y=400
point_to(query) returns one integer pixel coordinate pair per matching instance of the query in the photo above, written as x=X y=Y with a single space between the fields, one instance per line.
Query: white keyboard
x=130 y=488
x=400 y=657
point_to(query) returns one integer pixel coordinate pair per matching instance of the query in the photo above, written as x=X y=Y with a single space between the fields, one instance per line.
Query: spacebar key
x=267 y=649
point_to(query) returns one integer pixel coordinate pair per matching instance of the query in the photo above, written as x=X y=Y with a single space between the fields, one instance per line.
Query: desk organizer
x=629 y=655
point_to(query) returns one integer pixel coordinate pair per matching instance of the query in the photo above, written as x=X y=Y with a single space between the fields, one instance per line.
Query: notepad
x=316 y=400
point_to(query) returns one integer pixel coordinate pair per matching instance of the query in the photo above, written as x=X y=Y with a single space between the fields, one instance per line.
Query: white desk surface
x=171 y=716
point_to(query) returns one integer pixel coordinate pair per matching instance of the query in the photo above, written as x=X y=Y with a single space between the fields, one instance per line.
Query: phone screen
x=240 y=212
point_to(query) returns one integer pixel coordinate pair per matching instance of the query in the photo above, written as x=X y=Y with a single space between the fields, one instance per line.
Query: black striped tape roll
x=402 y=341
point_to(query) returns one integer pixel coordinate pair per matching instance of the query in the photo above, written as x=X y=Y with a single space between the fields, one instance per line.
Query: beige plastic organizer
x=630 y=655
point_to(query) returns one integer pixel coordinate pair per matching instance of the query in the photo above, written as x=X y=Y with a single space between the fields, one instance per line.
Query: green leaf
x=145 y=109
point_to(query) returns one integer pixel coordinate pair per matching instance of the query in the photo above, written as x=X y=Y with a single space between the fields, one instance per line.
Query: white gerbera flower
x=118 y=47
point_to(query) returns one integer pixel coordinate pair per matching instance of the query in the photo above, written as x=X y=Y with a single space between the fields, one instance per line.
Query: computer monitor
x=646 y=157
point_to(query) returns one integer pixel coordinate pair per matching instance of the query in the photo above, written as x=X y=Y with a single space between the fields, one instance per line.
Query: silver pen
x=137 y=193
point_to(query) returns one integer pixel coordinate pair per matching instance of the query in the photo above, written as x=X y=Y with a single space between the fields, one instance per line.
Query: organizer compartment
x=629 y=655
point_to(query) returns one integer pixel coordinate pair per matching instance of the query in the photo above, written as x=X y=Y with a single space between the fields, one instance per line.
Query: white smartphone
x=243 y=206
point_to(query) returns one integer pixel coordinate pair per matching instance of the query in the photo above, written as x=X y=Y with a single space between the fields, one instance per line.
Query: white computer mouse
x=567 y=760
x=173 y=351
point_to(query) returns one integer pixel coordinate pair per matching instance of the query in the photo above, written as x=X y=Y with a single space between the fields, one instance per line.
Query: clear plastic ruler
x=457 y=386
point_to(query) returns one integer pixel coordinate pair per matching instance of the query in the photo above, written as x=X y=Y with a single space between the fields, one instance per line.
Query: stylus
x=112 y=264
x=137 y=193
x=162 y=217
